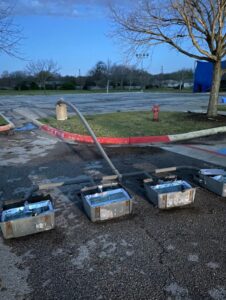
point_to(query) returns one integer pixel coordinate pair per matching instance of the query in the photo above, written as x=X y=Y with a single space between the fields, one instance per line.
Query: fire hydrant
x=155 y=110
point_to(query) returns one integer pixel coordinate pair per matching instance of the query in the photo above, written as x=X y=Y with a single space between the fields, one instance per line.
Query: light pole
x=142 y=56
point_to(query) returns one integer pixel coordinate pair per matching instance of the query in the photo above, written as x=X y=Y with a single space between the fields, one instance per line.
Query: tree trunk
x=107 y=88
x=213 y=101
x=130 y=84
x=121 y=84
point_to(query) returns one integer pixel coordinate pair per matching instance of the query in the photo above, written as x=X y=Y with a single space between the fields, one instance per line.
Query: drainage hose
x=100 y=148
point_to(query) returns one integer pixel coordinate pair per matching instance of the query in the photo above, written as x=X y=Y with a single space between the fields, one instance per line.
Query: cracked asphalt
x=151 y=254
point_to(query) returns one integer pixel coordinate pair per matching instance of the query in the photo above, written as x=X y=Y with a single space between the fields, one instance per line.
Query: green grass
x=2 y=121
x=221 y=107
x=123 y=124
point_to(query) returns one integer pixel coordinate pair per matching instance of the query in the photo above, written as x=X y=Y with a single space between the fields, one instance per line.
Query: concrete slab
x=214 y=154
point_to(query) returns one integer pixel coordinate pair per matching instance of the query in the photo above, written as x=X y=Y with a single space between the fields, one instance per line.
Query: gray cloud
x=70 y=8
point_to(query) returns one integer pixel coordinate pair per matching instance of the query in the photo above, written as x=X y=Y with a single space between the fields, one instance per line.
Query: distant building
x=177 y=84
x=204 y=75
x=170 y=83
x=188 y=83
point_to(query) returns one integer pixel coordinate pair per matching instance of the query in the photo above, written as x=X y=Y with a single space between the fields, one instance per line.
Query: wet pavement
x=151 y=254
x=98 y=103
x=177 y=254
x=211 y=149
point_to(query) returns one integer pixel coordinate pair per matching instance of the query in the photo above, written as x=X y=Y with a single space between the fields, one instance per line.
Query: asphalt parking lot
x=112 y=102
x=177 y=254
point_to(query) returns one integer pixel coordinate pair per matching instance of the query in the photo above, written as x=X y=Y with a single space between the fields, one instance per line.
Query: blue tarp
x=27 y=127
x=222 y=151
x=203 y=76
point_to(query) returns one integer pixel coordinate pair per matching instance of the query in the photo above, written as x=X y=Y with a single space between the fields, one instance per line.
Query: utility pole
x=161 y=78
x=79 y=78
x=141 y=57
x=108 y=75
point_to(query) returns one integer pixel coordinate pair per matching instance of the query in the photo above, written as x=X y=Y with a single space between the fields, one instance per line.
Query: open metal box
x=106 y=201
x=170 y=193
x=19 y=218
x=213 y=180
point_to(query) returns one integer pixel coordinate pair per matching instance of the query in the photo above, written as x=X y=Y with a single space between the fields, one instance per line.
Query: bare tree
x=100 y=73
x=108 y=73
x=43 y=70
x=120 y=73
x=195 y=28
x=10 y=34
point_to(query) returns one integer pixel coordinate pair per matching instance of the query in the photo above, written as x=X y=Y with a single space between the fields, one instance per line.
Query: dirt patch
x=199 y=117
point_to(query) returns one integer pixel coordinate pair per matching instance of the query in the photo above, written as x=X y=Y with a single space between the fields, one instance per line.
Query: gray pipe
x=100 y=148
x=51 y=185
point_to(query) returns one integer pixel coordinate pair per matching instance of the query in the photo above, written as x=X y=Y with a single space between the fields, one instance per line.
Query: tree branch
x=10 y=34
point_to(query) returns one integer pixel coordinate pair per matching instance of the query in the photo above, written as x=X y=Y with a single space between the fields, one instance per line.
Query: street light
x=142 y=56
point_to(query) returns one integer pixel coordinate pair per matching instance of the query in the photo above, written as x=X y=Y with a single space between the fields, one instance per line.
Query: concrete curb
x=8 y=126
x=106 y=140
x=196 y=134
x=132 y=140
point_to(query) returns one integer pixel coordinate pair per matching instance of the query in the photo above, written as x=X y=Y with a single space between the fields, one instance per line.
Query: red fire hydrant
x=155 y=110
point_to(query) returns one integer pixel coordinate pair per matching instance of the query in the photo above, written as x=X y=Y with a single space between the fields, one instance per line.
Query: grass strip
x=221 y=107
x=125 y=124
x=2 y=121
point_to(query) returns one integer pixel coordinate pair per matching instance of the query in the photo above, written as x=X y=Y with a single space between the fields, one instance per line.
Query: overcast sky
x=74 y=33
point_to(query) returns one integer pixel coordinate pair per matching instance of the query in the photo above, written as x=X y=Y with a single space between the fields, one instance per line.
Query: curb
x=196 y=134
x=8 y=126
x=132 y=140
x=106 y=140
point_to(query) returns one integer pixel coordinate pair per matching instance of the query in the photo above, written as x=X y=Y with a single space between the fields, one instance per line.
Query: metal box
x=19 y=218
x=169 y=194
x=107 y=201
x=213 y=180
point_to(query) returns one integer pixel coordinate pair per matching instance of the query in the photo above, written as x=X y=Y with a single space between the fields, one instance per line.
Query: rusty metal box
x=20 y=218
x=169 y=194
x=213 y=180
x=106 y=201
